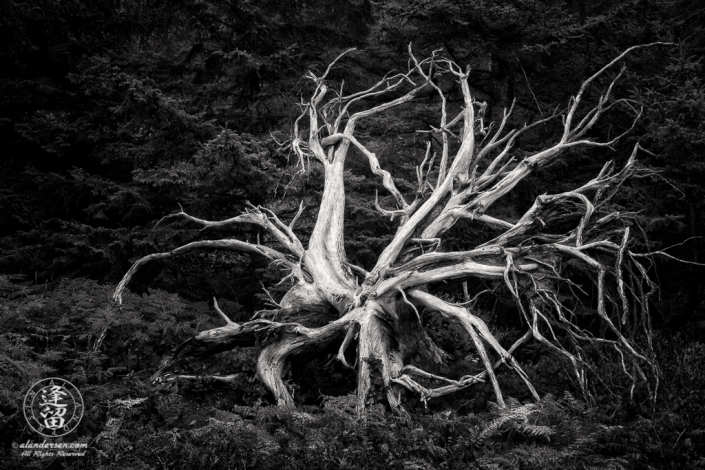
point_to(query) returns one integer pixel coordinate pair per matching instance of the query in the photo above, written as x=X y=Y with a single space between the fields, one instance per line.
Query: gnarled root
x=273 y=358
x=378 y=356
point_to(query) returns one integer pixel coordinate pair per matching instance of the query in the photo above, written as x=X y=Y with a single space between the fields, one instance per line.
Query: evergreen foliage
x=112 y=113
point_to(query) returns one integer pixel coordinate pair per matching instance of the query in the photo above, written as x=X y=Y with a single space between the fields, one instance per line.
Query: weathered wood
x=382 y=316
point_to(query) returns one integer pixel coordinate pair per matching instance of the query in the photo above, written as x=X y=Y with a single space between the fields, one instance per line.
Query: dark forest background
x=115 y=112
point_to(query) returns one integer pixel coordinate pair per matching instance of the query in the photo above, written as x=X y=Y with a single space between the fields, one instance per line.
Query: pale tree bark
x=380 y=311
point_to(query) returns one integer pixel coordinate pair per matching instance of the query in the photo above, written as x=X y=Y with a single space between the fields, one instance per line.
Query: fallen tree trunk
x=380 y=311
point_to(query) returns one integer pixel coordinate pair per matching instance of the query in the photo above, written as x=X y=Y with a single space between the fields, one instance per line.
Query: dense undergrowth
x=115 y=112
x=130 y=423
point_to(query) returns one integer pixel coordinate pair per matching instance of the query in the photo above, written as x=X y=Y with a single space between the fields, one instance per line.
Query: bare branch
x=460 y=270
x=228 y=321
x=476 y=328
x=225 y=244
x=282 y=234
x=586 y=83
x=352 y=331
x=296 y=217
x=427 y=375
x=387 y=179
x=330 y=66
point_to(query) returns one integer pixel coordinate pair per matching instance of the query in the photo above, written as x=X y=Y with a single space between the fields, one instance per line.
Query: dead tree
x=379 y=311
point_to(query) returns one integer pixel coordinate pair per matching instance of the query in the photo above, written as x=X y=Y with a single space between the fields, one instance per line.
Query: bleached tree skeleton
x=380 y=308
